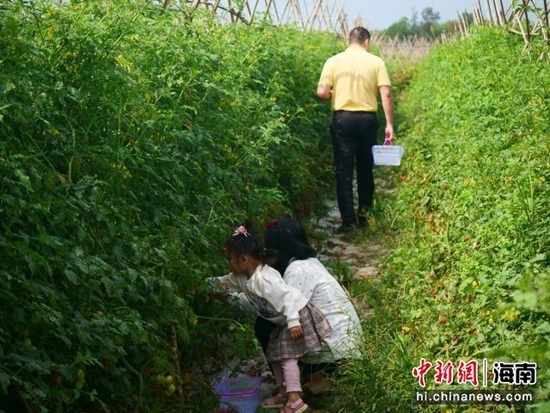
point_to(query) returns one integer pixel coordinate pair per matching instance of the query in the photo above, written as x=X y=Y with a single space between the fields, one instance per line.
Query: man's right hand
x=388 y=134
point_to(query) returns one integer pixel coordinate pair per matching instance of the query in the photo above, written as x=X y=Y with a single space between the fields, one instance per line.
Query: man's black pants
x=353 y=136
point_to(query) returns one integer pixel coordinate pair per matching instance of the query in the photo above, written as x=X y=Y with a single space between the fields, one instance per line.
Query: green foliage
x=429 y=27
x=132 y=142
x=470 y=273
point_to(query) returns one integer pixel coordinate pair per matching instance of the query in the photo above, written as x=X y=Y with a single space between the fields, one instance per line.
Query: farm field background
x=133 y=141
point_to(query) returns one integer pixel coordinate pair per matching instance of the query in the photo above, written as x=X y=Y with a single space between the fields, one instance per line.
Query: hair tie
x=272 y=224
x=241 y=230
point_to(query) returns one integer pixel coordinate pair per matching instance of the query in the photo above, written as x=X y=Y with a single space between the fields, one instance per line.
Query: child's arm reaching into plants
x=228 y=290
x=223 y=285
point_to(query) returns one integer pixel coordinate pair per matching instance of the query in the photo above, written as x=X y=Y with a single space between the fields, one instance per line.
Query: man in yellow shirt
x=351 y=80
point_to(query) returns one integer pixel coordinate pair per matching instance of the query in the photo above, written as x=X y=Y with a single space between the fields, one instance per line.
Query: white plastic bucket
x=388 y=155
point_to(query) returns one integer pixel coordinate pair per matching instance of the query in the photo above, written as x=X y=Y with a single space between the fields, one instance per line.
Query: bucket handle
x=388 y=141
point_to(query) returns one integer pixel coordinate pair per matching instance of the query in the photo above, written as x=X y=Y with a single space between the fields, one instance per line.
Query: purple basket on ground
x=239 y=394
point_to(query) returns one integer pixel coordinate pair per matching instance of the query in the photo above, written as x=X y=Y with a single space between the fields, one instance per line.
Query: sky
x=379 y=14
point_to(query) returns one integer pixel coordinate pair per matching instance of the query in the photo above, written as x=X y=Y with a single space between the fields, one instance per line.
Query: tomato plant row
x=132 y=142
x=469 y=275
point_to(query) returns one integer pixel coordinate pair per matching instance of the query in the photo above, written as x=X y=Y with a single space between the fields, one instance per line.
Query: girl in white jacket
x=300 y=327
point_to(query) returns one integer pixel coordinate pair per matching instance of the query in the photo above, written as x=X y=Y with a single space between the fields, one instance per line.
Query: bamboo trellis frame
x=527 y=18
x=402 y=51
x=306 y=15
x=524 y=17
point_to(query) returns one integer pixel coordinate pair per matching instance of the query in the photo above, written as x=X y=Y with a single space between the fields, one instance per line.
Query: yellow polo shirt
x=354 y=77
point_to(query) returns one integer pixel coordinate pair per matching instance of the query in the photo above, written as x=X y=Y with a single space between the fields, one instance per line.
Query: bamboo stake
x=489 y=11
x=324 y=21
x=298 y=13
x=331 y=17
x=289 y=11
x=526 y=20
x=521 y=30
x=466 y=23
x=328 y=9
x=546 y=31
x=460 y=24
x=480 y=11
x=475 y=15
x=317 y=23
x=340 y=24
x=254 y=11
x=510 y=13
x=229 y=8
x=179 y=387
x=480 y=17
x=313 y=15
x=503 y=12
x=279 y=15
x=497 y=14
x=25 y=406
x=343 y=22
x=268 y=10
x=284 y=15
x=308 y=18
x=249 y=11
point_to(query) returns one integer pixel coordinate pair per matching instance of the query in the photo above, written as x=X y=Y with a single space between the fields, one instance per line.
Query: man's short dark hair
x=358 y=35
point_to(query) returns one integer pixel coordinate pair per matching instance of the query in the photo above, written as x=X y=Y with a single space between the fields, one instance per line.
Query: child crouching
x=301 y=327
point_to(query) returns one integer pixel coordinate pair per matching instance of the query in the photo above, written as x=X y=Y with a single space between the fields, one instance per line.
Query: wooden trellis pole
x=504 y=17
x=332 y=21
x=313 y=15
x=285 y=16
x=489 y=11
x=324 y=20
x=342 y=22
x=546 y=30
x=270 y=3
x=279 y=15
x=527 y=30
x=295 y=14
x=298 y=12
x=254 y=11
x=329 y=12
x=462 y=25
x=481 y=9
x=479 y=12
x=308 y=15
x=497 y=14
x=249 y=11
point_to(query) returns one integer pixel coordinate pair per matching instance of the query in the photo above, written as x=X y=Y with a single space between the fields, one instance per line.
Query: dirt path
x=363 y=256
x=362 y=252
